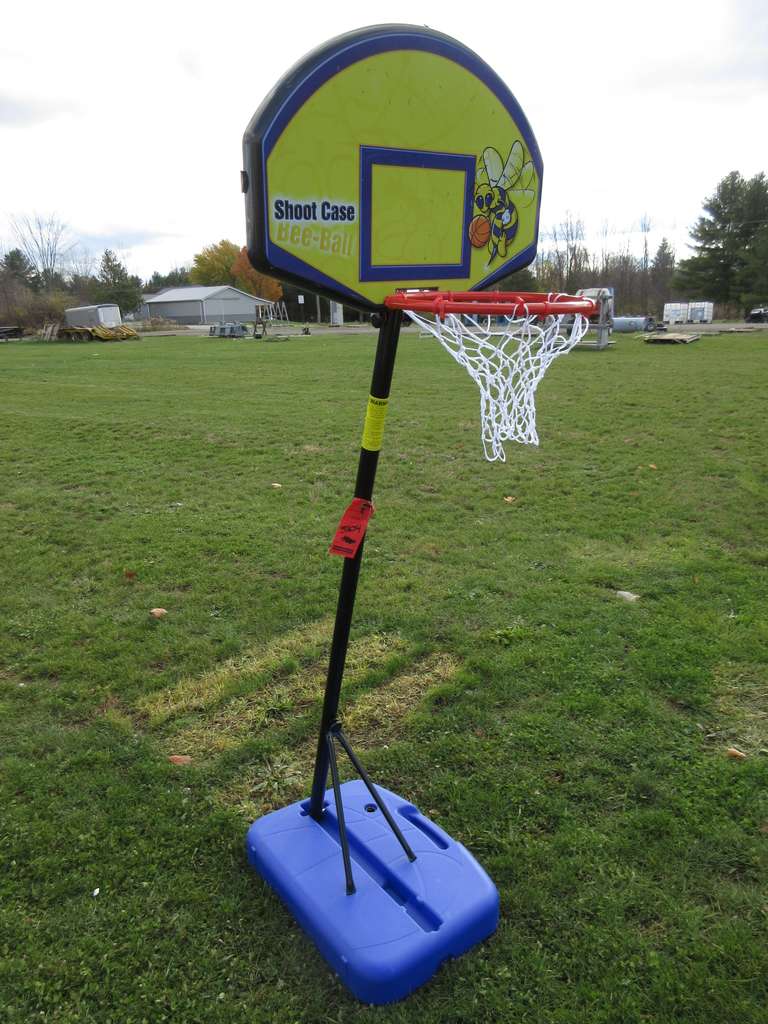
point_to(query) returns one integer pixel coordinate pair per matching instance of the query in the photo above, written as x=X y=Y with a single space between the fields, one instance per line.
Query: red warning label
x=351 y=529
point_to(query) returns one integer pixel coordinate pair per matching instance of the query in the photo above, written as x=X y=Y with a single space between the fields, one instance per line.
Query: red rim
x=491 y=303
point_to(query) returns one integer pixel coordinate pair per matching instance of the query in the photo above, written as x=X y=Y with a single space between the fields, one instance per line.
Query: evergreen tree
x=84 y=289
x=662 y=273
x=723 y=237
x=116 y=285
x=16 y=267
x=519 y=281
x=753 y=277
x=176 y=278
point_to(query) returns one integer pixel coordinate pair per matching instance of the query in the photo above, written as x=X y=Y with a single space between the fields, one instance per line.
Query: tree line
x=729 y=265
x=45 y=271
x=564 y=263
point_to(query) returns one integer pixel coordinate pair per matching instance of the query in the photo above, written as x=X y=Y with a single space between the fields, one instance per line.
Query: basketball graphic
x=479 y=231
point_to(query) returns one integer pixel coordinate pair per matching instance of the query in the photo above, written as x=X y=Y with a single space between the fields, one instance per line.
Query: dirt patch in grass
x=197 y=693
x=374 y=719
x=377 y=717
x=742 y=706
x=276 y=699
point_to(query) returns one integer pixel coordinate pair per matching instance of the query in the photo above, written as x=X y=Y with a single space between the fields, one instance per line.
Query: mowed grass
x=576 y=743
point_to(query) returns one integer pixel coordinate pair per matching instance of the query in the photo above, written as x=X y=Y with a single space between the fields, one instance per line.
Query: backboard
x=391 y=157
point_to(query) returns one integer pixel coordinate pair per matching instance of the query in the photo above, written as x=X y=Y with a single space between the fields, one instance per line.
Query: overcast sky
x=126 y=119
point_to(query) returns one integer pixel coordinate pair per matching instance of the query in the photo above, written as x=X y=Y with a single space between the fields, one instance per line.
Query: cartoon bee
x=500 y=188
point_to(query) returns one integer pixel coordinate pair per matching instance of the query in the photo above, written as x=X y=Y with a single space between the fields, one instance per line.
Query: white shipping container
x=104 y=315
x=700 y=312
x=675 y=312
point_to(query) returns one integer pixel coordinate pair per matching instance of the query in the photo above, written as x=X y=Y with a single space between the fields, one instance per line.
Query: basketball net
x=506 y=356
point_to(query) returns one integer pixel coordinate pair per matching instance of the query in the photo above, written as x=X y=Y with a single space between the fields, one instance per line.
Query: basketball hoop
x=506 y=342
x=376 y=179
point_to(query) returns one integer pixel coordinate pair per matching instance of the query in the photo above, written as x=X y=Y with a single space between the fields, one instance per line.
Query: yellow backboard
x=391 y=157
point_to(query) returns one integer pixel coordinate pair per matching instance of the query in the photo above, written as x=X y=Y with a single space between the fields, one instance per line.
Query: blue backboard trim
x=306 y=78
x=371 y=156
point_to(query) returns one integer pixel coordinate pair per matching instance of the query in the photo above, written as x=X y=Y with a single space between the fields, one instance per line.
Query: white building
x=199 y=304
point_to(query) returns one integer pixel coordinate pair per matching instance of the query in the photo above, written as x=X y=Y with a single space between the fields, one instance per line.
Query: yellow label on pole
x=373 y=429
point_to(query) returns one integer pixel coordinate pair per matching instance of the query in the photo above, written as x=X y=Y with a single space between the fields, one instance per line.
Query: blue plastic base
x=405 y=918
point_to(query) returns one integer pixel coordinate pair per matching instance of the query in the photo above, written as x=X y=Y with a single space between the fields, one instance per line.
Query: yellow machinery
x=100 y=332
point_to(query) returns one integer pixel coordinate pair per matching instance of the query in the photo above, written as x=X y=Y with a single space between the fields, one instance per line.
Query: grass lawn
x=576 y=743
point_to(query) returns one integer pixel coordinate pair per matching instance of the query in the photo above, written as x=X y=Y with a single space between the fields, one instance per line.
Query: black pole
x=381 y=381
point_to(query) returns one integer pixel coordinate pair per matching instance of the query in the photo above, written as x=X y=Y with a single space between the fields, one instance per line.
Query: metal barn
x=197 y=304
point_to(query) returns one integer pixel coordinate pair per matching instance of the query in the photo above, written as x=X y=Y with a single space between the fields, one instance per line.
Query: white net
x=506 y=356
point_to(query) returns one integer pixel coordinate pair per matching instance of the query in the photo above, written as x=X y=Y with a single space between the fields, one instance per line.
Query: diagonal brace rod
x=335 y=731
x=340 y=816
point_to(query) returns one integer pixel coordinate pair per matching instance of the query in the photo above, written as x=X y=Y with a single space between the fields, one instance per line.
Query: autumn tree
x=213 y=265
x=253 y=282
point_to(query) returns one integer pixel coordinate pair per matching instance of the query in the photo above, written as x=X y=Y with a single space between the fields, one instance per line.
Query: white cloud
x=130 y=128
x=20 y=112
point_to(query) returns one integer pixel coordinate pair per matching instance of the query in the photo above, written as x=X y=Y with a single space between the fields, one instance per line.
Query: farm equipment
x=90 y=323
x=602 y=321
x=228 y=330
x=52 y=331
x=119 y=333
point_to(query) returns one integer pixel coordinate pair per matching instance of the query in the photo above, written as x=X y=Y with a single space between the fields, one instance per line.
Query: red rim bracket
x=491 y=303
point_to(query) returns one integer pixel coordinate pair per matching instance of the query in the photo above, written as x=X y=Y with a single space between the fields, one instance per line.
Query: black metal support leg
x=336 y=731
x=340 y=816
x=386 y=349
